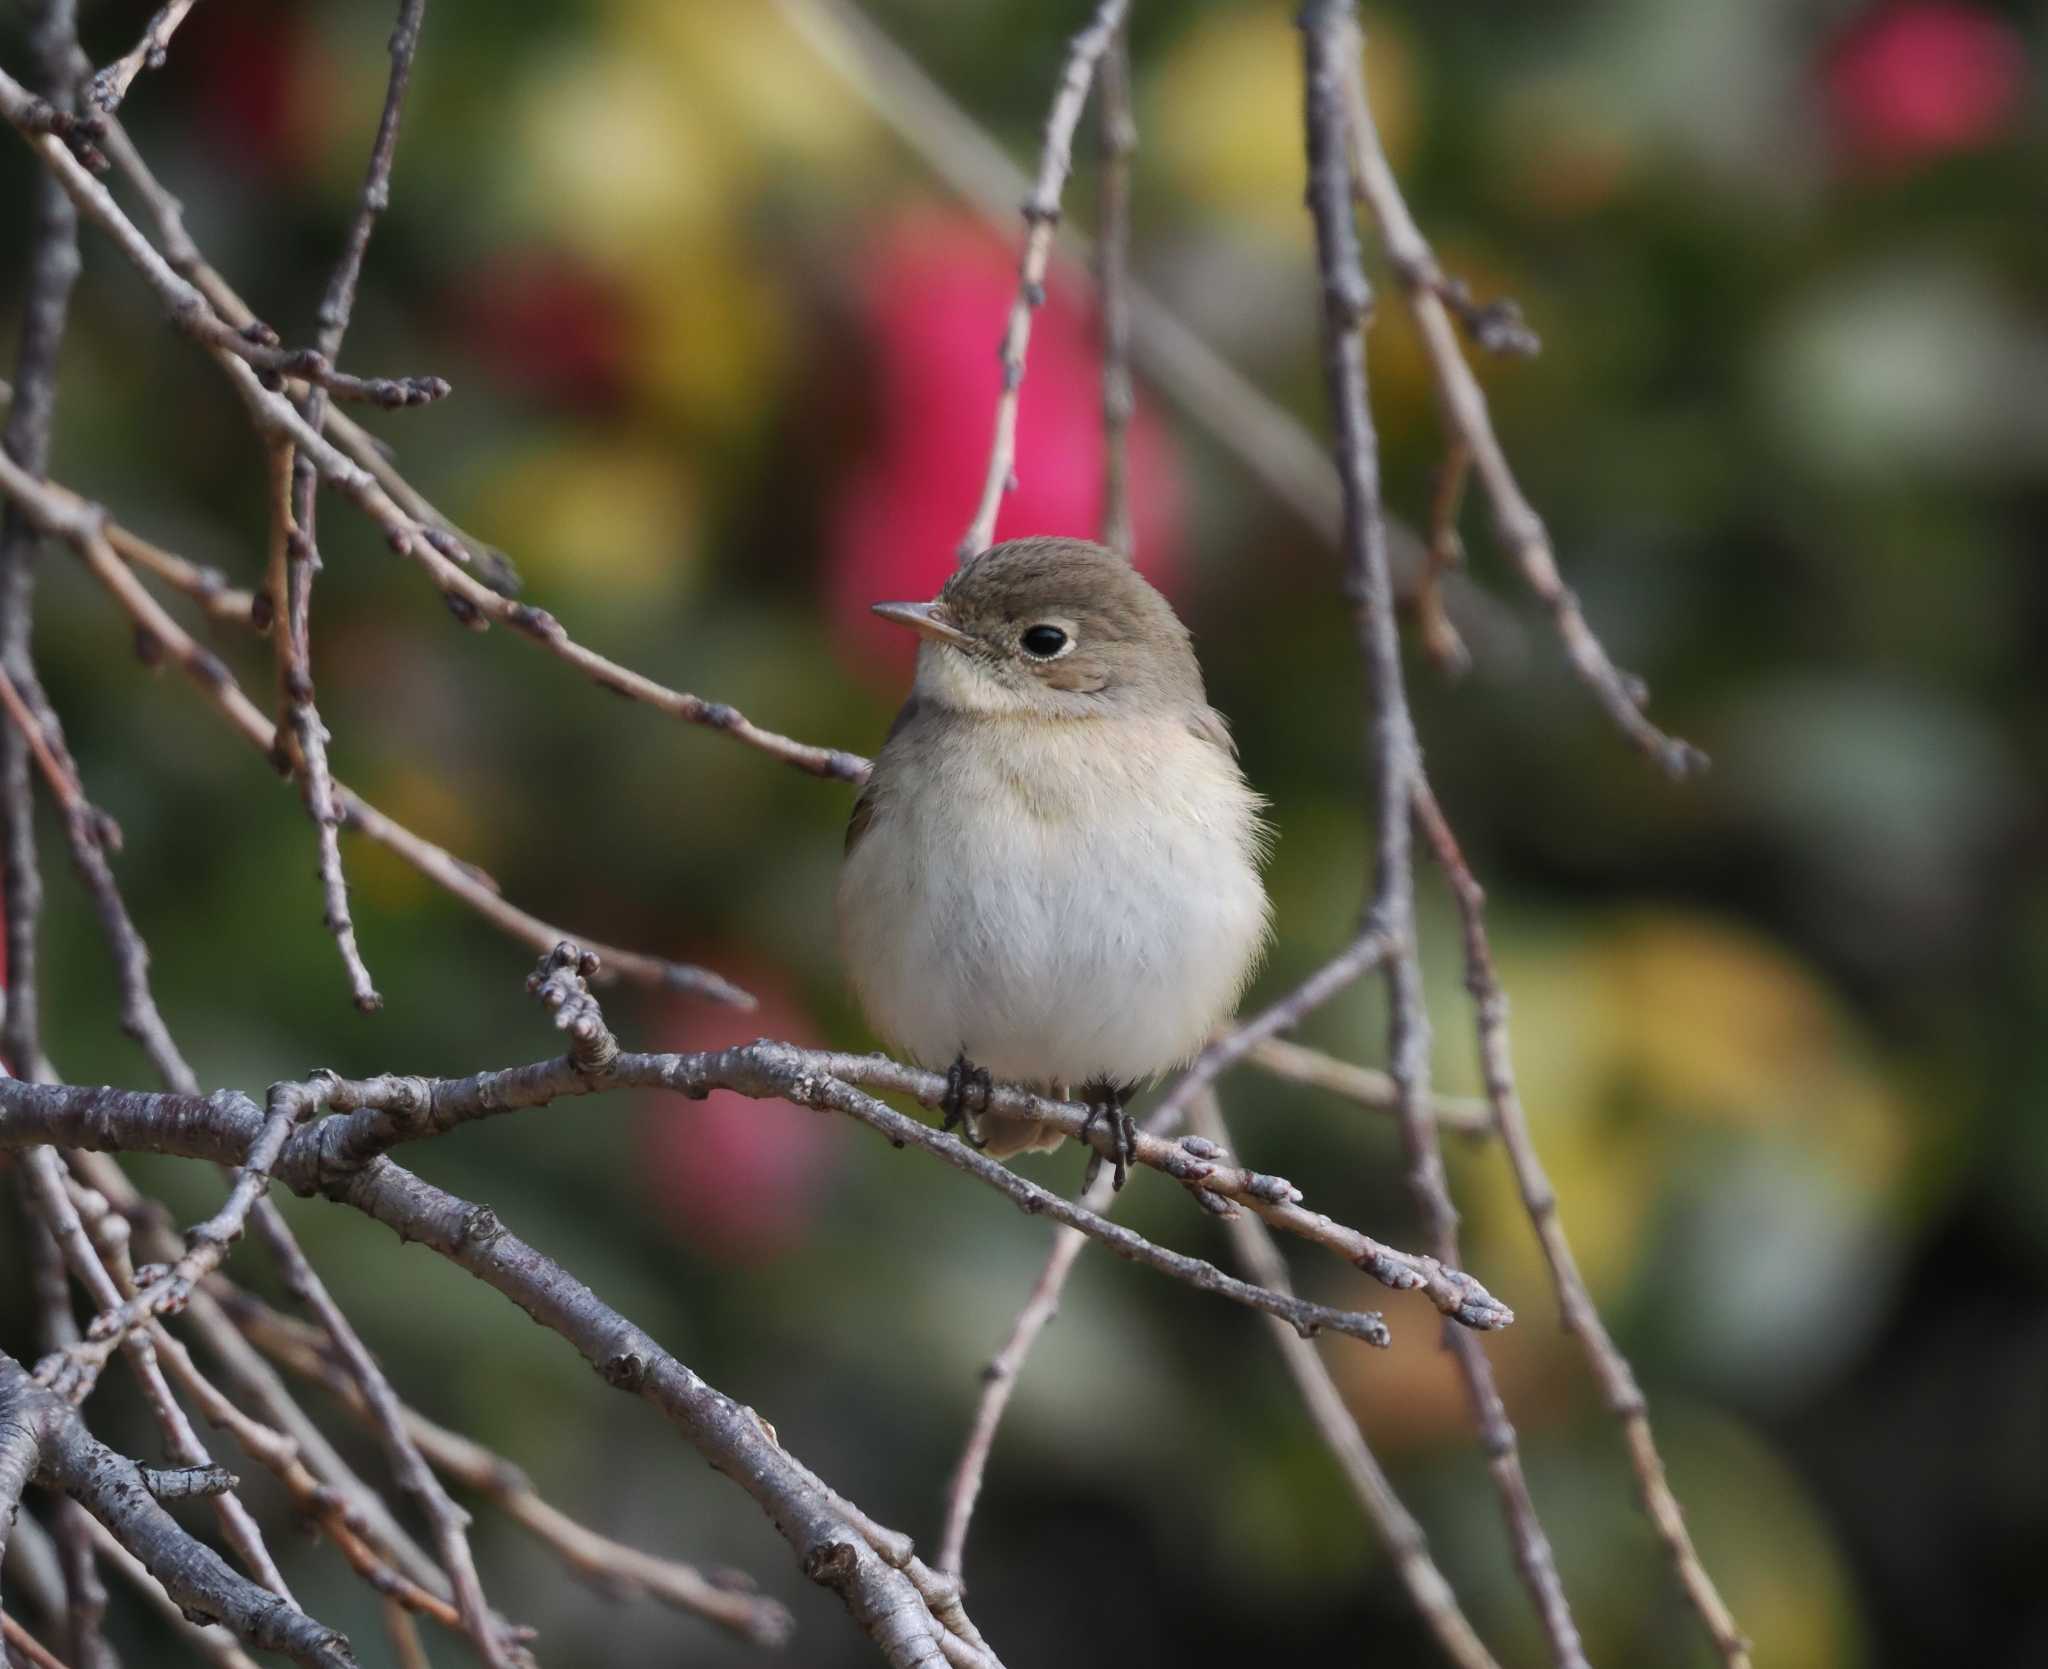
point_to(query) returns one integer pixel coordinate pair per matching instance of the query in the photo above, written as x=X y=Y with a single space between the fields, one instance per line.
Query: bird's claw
x=1106 y=1101
x=964 y=1079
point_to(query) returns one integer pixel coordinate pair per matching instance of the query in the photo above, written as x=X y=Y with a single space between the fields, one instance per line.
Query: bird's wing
x=864 y=807
x=1212 y=727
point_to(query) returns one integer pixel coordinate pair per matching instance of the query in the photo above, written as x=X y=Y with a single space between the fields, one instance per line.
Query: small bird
x=1052 y=875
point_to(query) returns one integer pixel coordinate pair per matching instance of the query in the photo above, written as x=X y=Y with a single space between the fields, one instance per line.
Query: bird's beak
x=926 y=620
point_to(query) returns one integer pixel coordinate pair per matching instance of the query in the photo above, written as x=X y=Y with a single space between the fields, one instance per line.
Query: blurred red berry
x=1910 y=81
x=737 y=1179
x=547 y=324
x=935 y=294
x=261 y=90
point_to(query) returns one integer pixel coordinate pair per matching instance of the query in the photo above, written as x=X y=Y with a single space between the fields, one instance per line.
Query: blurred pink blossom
x=1916 y=80
x=737 y=1179
x=934 y=294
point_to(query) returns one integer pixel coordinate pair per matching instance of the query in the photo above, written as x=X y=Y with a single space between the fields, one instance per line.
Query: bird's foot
x=965 y=1080
x=1106 y=1101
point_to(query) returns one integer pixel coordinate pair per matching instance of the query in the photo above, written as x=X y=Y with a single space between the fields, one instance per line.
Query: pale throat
x=949 y=679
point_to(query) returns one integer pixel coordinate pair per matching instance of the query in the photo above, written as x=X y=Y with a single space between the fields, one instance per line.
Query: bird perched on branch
x=1052 y=876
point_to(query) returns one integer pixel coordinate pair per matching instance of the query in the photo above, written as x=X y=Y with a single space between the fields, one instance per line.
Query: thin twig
x=53 y=1201
x=1041 y=221
x=321 y=1485
x=202 y=1583
x=82 y=1599
x=302 y=738
x=1465 y=410
x=903 y=1611
x=168 y=1289
x=1331 y=48
x=1581 y=1317
x=726 y=1597
x=278 y=421
x=1269 y=442
x=110 y=86
x=999 y=1378
x=345 y=1526
x=32 y=1650
x=415 y=1477
x=167 y=214
x=56 y=774
x=82 y=525
x=404 y=1634
x=208 y=587
x=296 y=511
x=1367 y=1086
x=1118 y=128
x=1367 y=951
x=1340 y=1430
x=92 y=837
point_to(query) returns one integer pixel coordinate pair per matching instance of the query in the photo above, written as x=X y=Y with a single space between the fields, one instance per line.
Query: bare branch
x=296 y=506
x=1119 y=135
x=320 y=1483
x=217 y=1127
x=70 y=1372
x=1366 y=952
x=415 y=1477
x=999 y=1378
x=1465 y=411
x=92 y=838
x=1367 y=1086
x=1581 y=1318
x=167 y=1290
x=382 y=1112
x=277 y=421
x=64 y=515
x=725 y=1597
x=208 y=587
x=302 y=738
x=884 y=1596
x=1041 y=221
x=1340 y=1431
x=56 y=773
x=1331 y=48
x=212 y=1642
x=25 y=446
x=115 y=1491
x=110 y=86
x=25 y=1647
x=168 y=216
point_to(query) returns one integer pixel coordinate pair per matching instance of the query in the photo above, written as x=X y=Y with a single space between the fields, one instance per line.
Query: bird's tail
x=1010 y=1136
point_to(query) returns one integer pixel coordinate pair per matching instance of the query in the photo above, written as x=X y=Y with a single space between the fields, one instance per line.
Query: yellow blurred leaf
x=432 y=808
x=770 y=99
x=1628 y=1040
x=607 y=517
x=713 y=330
x=1222 y=113
x=616 y=162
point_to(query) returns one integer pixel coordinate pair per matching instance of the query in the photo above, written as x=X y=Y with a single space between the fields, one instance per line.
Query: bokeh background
x=724 y=361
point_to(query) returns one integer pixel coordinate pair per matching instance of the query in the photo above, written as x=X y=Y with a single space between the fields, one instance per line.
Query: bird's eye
x=1043 y=642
